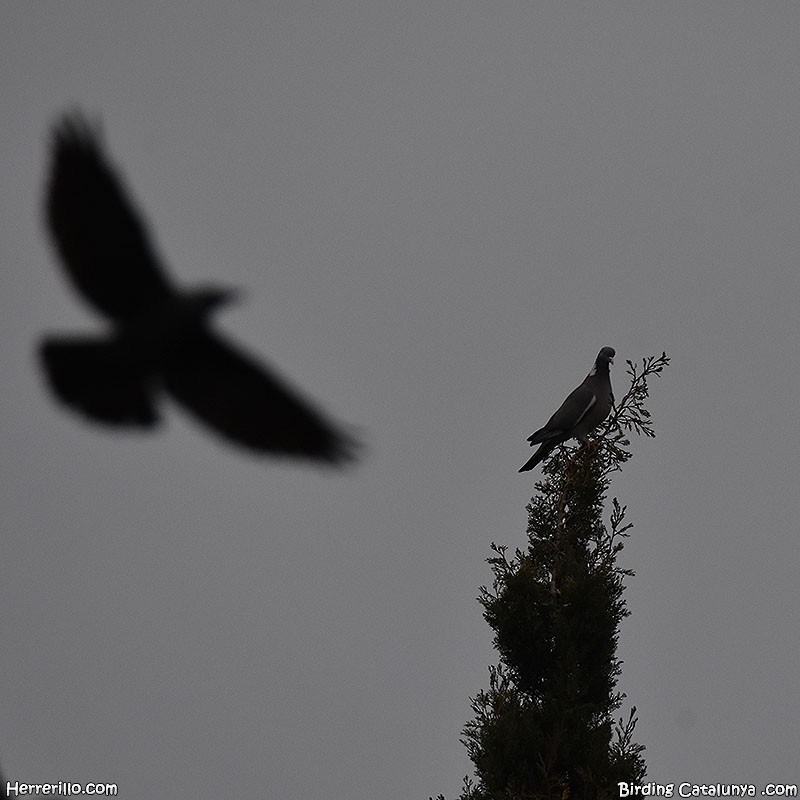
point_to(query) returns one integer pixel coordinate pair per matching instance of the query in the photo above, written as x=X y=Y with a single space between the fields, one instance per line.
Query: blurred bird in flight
x=160 y=338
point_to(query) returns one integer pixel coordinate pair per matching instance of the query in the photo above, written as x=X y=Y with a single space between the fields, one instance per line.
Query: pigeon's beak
x=611 y=360
x=231 y=297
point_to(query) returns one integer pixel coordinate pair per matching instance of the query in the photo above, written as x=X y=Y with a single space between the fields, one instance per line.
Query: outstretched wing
x=245 y=403
x=98 y=378
x=572 y=411
x=100 y=237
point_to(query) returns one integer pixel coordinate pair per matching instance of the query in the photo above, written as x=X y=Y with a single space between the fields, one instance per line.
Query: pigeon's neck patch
x=593 y=371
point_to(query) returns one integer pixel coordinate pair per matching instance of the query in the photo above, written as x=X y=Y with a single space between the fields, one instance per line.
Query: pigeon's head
x=206 y=299
x=606 y=356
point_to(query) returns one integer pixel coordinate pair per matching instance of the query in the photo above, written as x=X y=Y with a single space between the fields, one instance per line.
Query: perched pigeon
x=160 y=339
x=584 y=409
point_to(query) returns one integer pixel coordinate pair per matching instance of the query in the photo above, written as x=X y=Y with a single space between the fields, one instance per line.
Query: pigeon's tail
x=538 y=456
x=539 y=436
x=99 y=379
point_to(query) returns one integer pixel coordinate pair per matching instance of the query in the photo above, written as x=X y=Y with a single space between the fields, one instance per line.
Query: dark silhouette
x=160 y=337
x=548 y=726
x=584 y=409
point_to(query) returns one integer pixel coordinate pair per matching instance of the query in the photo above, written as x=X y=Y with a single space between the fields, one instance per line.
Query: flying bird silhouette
x=584 y=409
x=160 y=339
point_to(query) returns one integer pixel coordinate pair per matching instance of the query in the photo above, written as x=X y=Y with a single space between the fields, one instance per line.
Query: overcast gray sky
x=440 y=211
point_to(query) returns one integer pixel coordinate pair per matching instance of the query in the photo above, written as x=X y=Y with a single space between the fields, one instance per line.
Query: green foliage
x=546 y=727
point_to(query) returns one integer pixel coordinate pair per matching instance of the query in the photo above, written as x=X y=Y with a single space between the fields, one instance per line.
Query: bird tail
x=538 y=456
x=98 y=378
x=539 y=436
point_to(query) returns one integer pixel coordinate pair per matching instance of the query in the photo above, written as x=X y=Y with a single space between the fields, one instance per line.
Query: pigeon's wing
x=572 y=411
x=243 y=402
x=99 y=235
x=98 y=379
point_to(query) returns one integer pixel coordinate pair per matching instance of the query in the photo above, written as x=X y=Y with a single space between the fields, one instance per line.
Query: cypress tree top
x=545 y=727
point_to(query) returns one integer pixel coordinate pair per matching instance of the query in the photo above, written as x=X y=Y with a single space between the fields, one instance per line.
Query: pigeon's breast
x=160 y=331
